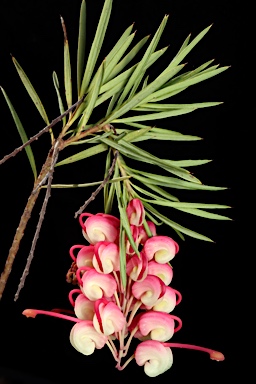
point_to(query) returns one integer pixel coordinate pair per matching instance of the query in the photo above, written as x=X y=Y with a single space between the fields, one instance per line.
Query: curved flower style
x=154 y=356
x=149 y=290
x=84 y=338
x=163 y=271
x=108 y=318
x=108 y=312
x=157 y=325
x=137 y=269
x=135 y=212
x=84 y=256
x=161 y=248
x=106 y=257
x=168 y=301
x=84 y=308
x=95 y=285
x=100 y=227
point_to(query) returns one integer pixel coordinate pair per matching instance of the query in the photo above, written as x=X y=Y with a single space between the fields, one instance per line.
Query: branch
x=104 y=182
x=40 y=133
x=40 y=221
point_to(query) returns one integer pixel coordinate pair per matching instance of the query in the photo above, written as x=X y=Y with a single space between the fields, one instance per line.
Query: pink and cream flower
x=106 y=312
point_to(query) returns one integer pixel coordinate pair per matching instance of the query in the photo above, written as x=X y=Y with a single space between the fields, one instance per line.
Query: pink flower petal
x=84 y=256
x=156 y=358
x=84 y=308
x=158 y=325
x=97 y=285
x=136 y=268
x=163 y=271
x=135 y=212
x=84 y=338
x=147 y=291
x=111 y=317
x=161 y=248
x=101 y=228
x=106 y=258
x=167 y=302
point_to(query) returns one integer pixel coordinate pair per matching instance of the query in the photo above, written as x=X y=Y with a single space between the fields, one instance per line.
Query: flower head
x=107 y=312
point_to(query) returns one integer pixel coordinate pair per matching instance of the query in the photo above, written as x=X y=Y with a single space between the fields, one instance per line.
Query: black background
x=205 y=273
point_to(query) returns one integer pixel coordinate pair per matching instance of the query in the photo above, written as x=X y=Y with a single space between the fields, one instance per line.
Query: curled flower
x=163 y=271
x=106 y=257
x=156 y=325
x=136 y=268
x=96 y=285
x=108 y=318
x=100 y=227
x=161 y=248
x=135 y=212
x=84 y=308
x=168 y=301
x=84 y=256
x=156 y=358
x=149 y=290
x=84 y=338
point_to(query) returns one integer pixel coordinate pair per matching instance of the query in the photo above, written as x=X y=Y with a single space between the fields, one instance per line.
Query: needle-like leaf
x=31 y=90
x=81 y=45
x=96 y=46
x=67 y=67
x=22 y=133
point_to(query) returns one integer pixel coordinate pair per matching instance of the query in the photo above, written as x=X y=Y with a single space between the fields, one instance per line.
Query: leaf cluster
x=133 y=102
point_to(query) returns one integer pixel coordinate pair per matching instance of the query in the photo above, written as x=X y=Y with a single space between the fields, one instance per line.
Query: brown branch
x=40 y=133
x=40 y=221
x=104 y=182
x=22 y=224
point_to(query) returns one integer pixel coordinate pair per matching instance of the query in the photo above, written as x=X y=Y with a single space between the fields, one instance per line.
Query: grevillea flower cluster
x=107 y=313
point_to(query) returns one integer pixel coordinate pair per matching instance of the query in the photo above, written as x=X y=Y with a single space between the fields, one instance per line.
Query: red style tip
x=29 y=313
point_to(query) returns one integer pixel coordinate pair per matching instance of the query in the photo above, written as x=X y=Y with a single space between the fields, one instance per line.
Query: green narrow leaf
x=67 y=67
x=122 y=255
x=31 y=91
x=177 y=226
x=160 y=191
x=141 y=155
x=85 y=185
x=106 y=186
x=57 y=88
x=170 y=182
x=128 y=58
x=111 y=193
x=118 y=51
x=96 y=45
x=155 y=107
x=205 y=214
x=84 y=154
x=81 y=45
x=161 y=134
x=154 y=116
x=22 y=133
x=123 y=217
x=174 y=88
x=92 y=98
x=185 y=50
x=139 y=97
x=140 y=69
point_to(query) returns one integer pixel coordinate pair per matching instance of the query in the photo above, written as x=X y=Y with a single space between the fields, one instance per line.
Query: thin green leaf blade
x=96 y=45
x=67 y=67
x=81 y=45
x=60 y=102
x=94 y=150
x=22 y=133
x=31 y=90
